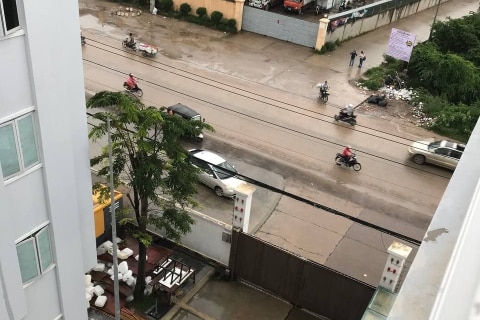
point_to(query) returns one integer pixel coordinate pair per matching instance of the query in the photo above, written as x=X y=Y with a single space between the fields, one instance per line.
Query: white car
x=223 y=182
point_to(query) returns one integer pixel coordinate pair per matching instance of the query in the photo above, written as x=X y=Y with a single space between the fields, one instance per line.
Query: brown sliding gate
x=302 y=282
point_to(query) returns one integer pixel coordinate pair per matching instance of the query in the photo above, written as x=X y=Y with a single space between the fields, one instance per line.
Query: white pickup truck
x=263 y=4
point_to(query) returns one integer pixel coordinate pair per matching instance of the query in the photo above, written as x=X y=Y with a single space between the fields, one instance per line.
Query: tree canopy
x=448 y=68
x=149 y=159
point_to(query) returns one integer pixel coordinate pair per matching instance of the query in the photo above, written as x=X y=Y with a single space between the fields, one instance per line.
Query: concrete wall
x=280 y=26
x=205 y=237
x=229 y=9
x=381 y=17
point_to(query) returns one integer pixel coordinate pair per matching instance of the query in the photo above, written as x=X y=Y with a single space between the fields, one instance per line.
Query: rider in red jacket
x=132 y=82
x=347 y=154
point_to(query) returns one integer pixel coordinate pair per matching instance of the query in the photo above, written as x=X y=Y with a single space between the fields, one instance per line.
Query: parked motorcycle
x=127 y=44
x=323 y=95
x=352 y=163
x=344 y=5
x=345 y=117
x=135 y=91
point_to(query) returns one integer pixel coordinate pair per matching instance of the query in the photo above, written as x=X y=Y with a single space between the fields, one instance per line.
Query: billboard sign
x=400 y=44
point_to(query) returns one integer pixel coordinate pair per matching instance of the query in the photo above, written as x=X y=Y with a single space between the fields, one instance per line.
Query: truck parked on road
x=298 y=6
x=264 y=4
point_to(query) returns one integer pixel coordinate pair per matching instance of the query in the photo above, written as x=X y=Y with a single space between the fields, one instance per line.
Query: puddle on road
x=91 y=22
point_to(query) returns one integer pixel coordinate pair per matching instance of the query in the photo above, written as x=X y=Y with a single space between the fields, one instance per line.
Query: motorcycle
x=344 y=5
x=135 y=91
x=344 y=117
x=352 y=163
x=127 y=44
x=323 y=95
x=147 y=50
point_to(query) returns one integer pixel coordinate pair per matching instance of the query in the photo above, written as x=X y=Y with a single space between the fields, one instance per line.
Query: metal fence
x=302 y=282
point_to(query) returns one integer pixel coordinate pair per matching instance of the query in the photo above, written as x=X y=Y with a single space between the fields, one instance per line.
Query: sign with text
x=400 y=44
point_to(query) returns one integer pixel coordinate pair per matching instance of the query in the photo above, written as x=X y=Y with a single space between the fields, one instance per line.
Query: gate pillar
x=322 y=33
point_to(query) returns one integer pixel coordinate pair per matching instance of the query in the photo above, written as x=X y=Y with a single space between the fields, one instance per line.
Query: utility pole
x=114 y=228
x=434 y=19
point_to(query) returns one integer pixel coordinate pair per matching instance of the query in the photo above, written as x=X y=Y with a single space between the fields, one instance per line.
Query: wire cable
x=277 y=125
x=306 y=201
x=240 y=89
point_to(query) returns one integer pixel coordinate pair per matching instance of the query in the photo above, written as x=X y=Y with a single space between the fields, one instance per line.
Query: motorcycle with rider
x=323 y=91
x=131 y=86
x=348 y=159
x=347 y=115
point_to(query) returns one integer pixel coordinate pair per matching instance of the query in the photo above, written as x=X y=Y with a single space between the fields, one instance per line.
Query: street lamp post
x=434 y=19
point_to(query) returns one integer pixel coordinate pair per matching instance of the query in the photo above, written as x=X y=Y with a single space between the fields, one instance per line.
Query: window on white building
x=35 y=254
x=9 y=16
x=18 y=146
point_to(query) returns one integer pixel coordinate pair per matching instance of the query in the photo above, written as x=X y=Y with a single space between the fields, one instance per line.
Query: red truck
x=298 y=5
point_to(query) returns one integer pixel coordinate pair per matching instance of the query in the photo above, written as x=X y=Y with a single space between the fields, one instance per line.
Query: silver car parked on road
x=442 y=153
x=223 y=182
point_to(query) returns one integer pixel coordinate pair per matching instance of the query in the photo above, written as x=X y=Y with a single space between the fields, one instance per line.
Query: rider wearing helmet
x=347 y=111
x=132 y=82
x=347 y=154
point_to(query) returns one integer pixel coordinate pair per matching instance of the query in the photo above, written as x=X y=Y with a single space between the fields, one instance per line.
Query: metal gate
x=303 y=283
x=279 y=26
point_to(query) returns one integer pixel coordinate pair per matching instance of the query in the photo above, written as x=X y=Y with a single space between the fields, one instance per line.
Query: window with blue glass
x=18 y=146
x=35 y=255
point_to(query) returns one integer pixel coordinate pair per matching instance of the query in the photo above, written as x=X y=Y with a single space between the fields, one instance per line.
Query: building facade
x=47 y=239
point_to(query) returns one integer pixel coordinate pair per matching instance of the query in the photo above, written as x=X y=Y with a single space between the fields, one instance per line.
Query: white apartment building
x=47 y=239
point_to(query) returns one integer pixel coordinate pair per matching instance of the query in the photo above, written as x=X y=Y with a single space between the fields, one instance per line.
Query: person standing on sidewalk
x=353 y=54
x=362 y=58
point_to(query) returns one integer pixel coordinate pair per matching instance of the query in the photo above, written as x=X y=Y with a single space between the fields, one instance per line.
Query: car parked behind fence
x=223 y=182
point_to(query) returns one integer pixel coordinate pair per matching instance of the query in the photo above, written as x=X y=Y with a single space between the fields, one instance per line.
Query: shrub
x=226 y=25
x=201 y=12
x=216 y=17
x=329 y=46
x=185 y=9
x=164 y=5
x=232 y=23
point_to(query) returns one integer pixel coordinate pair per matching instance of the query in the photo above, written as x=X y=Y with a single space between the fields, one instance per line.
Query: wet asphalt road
x=384 y=192
x=273 y=133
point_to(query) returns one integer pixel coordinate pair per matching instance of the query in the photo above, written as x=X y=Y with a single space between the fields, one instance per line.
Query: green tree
x=444 y=74
x=149 y=159
x=216 y=17
x=201 y=12
x=459 y=36
x=185 y=9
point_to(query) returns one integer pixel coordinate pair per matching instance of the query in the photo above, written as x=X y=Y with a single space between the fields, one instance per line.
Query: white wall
x=13 y=303
x=206 y=238
x=28 y=203
x=43 y=65
x=16 y=94
x=52 y=37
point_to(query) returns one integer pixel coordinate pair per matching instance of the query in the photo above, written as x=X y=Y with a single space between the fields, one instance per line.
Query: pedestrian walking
x=353 y=54
x=362 y=58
